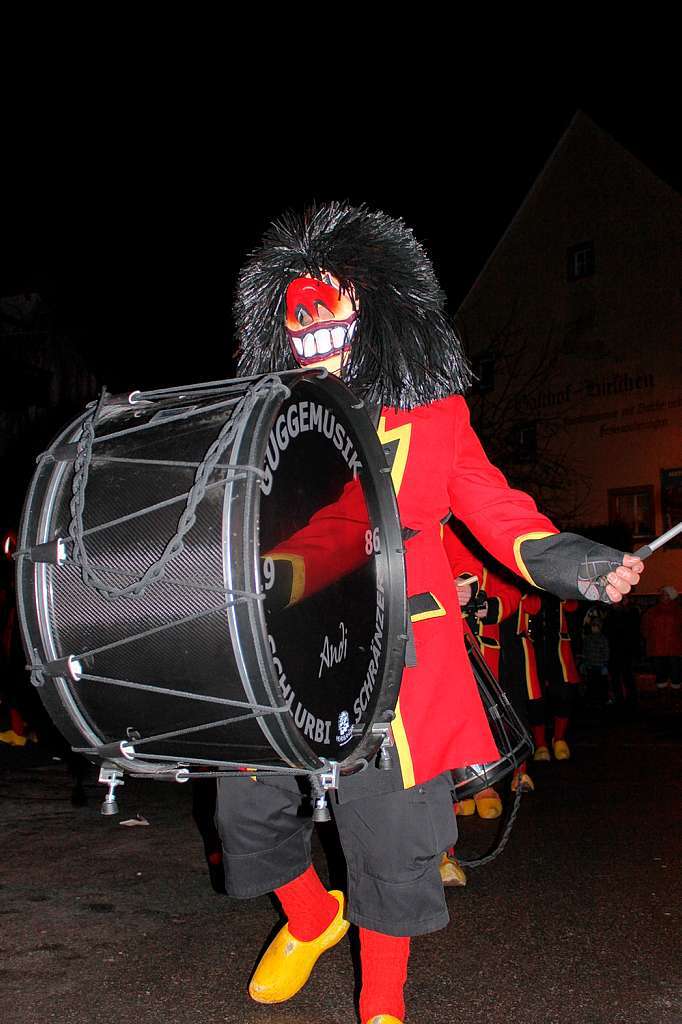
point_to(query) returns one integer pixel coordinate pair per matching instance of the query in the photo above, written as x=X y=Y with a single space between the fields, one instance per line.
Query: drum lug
x=63 y=668
x=385 y=756
x=54 y=552
x=111 y=777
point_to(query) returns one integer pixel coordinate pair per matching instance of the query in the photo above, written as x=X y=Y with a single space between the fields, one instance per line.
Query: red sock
x=308 y=906
x=17 y=723
x=560 y=727
x=384 y=973
x=539 y=735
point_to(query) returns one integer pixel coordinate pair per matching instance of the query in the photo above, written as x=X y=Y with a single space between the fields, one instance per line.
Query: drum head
x=328 y=557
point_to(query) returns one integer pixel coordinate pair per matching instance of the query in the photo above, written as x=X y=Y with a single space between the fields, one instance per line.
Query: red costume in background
x=502 y=597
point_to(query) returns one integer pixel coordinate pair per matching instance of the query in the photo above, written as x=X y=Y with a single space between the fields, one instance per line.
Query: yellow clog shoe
x=488 y=803
x=561 y=749
x=286 y=964
x=452 y=872
x=465 y=807
x=542 y=754
x=12 y=738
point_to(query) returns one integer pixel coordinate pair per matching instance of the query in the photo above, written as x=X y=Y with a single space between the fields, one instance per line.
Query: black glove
x=571 y=566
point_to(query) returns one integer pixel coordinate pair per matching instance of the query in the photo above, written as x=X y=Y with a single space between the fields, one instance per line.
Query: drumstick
x=462 y=581
x=648 y=549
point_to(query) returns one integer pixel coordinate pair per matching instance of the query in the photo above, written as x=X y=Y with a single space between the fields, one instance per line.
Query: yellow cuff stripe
x=517 y=553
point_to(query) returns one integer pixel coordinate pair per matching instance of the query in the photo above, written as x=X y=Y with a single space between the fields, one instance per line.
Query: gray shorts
x=392 y=844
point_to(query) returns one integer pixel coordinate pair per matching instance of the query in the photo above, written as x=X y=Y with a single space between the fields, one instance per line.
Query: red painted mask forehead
x=314 y=296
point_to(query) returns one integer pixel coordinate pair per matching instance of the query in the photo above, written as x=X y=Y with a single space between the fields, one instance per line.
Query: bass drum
x=511 y=737
x=214 y=576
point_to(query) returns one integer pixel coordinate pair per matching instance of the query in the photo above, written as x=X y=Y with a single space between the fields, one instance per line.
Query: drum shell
x=53 y=627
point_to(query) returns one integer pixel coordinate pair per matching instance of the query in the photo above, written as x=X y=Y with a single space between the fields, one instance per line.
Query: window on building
x=634 y=508
x=580 y=261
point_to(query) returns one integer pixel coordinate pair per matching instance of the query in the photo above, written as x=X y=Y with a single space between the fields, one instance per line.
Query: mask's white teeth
x=351 y=330
x=323 y=340
x=339 y=336
x=298 y=345
x=309 y=345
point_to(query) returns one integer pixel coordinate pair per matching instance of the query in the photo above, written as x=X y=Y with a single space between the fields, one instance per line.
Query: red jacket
x=439 y=466
x=530 y=605
x=662 y=629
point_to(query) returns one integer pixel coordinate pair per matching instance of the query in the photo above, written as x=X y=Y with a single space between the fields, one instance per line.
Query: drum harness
x=61 y=551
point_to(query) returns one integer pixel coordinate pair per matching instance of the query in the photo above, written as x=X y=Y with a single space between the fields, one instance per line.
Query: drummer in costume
x=353 y=291
x=558 y=676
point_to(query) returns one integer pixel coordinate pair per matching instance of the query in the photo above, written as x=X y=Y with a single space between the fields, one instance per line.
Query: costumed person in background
x=662 y=632
x=622 y=630
x=594 y=663
x=486 y=601
x=558 y=676
x=518 y=669
x=353 y=292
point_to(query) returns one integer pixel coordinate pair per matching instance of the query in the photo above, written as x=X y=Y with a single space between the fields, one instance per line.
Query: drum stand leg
x=320 y=806
x=112 y=778
x=319 y=785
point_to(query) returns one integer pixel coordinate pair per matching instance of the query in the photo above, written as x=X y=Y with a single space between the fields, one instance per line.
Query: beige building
x=574 y=328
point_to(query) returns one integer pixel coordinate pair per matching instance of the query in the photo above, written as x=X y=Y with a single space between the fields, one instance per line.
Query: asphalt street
x=577 y=922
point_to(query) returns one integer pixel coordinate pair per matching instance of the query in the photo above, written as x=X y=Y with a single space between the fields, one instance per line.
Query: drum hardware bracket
x=53 y=552
x=36 y=670
x=385 y=756
x=60 y=668
x=320 y=784
x=110 y=777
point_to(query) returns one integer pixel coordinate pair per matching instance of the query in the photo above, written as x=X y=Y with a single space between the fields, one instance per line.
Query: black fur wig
x=404 y=353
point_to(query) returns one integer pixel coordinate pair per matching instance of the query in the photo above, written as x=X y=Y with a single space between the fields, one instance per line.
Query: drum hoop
x=240 y=539
x=55 y=693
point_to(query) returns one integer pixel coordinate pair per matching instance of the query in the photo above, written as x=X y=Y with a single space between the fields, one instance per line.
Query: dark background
x=130 y=210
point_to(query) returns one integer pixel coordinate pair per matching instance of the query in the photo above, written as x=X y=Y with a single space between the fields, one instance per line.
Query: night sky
x=132 y=226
